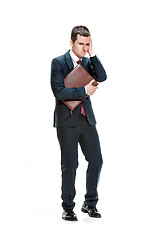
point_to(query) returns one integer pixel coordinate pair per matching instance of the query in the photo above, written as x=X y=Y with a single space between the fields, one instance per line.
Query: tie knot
x=79 y=61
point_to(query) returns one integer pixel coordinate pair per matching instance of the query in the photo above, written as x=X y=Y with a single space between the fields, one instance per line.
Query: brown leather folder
x=78 y=77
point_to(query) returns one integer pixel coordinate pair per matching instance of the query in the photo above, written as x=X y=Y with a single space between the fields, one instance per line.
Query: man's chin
x=84 y=54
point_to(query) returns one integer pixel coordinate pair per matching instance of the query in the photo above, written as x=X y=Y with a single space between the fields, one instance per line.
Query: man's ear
x=71 y=43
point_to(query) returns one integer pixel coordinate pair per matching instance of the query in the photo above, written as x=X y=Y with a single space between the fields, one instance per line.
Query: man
x=78 y=127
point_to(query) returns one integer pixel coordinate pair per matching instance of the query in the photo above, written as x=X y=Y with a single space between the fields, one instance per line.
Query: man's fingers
x=91 y=81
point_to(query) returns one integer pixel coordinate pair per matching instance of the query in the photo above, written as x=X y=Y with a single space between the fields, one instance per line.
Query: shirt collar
x=74 y=57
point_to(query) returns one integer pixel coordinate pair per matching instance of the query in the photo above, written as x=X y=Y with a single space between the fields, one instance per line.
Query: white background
x=126 y=39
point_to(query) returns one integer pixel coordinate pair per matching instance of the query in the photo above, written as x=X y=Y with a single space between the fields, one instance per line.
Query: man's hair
x=82 y=30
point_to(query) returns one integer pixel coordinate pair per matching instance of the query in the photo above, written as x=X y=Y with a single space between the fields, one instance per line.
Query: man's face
x=81 y=46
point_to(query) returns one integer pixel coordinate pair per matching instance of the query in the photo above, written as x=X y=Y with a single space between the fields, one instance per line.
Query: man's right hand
x=90 y=89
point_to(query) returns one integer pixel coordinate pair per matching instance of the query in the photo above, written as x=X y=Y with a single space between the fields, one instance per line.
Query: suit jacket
x=60 y=68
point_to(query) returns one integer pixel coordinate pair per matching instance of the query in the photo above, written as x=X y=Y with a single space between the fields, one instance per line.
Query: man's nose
x=84 y=48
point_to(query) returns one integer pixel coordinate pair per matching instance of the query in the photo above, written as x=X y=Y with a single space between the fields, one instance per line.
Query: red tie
x=79 y=61
x=82 y=108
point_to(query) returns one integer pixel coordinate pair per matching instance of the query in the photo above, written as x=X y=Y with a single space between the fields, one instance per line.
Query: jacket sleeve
x=97 y=70
x=57 y=84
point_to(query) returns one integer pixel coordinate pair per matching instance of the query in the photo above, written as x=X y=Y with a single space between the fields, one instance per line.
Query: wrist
x=91 y=54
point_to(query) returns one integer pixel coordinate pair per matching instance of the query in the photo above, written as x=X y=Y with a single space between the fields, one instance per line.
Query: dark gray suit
x=75 y=128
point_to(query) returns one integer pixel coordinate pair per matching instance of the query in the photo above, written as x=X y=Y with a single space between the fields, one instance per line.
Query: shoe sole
x=70 y=220
x=85 y=211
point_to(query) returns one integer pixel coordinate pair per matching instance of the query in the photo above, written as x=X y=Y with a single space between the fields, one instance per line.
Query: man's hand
x=90 y=89
x=90 y=50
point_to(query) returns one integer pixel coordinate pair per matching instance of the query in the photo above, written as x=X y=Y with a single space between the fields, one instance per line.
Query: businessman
x=80 y=126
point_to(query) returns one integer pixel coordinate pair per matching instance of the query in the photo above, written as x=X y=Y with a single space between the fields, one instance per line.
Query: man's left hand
x=90 y=50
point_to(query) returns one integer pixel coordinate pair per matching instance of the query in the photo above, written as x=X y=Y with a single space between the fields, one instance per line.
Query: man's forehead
x=82 y=39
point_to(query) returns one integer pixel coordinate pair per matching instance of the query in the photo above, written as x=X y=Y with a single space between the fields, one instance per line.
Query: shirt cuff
x=85 y=90
x=93 y=55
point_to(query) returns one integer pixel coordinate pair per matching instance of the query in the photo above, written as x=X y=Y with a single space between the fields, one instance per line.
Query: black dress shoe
x=69 y=215
x=91 y=210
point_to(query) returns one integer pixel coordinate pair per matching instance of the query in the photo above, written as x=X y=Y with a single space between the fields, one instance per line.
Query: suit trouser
x=87 y=137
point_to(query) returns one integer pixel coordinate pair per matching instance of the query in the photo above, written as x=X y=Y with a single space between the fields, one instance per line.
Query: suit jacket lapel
x=84 y=63
x=69 y=61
